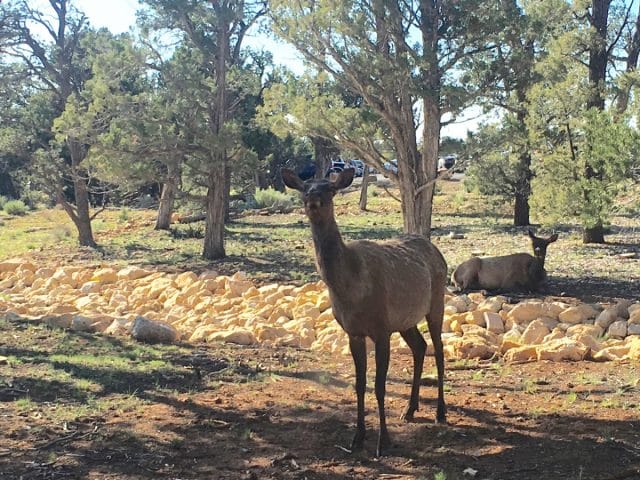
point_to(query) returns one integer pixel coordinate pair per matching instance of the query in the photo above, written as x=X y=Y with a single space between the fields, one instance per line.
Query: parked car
x=391 y=166
x=336 y=167
x=447 y=162
x=308 y=171
x=358 y=166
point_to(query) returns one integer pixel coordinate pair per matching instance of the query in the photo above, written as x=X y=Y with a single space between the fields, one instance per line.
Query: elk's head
x=317 y=194
x=540 y=244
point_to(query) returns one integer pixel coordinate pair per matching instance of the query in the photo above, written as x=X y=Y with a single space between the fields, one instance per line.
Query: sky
x=119 y=15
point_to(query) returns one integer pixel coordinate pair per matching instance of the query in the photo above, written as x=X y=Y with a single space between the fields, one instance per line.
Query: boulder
x=494 y=322
x=120 y=326
x=240 y=337
x=492 y=304
x=633 y=329
x=617 y=329
x=577 y=314
x=12 y=264
x=132 y=272
x=562 y=349
x=594 y=331
x=105 y=275
x=473 y=346
x=527 y=311
x=607 y=317
x=613 y=353
x=460 y=303
x=622 y=308
x=525 y=353
x=634 y=348
x=534 y=333
x=153 y=331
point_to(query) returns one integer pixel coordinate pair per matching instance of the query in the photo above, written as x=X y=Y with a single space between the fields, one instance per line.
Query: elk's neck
x=330 y=253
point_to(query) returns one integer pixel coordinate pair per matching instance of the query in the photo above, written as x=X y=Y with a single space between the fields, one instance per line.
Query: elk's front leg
x=359 y=353
x=382 y=365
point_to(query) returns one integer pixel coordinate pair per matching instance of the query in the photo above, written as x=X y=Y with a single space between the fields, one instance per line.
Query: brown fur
x=377 y=288
x=519 y=271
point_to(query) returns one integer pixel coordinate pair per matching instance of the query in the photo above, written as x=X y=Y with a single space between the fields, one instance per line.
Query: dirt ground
x=261 y=413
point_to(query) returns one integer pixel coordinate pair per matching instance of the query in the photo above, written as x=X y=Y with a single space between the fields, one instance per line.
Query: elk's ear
x=291 y=179
x=345 y=177
x=552 y=238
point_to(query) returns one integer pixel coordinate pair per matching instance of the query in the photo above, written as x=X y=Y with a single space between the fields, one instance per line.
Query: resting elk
x=377 y=288
x=519 y=271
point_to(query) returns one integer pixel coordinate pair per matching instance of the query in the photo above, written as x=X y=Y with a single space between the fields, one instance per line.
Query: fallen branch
x=73 y=436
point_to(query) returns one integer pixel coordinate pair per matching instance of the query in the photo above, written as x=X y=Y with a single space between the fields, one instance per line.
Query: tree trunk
x=418 y=186
x=598 y=57
x=227 y=193
x=364 y=189
x=324 y=151
x=593 y=234
x=169 y=190
x=523 y=191
x=215 y=210
x=82 y=217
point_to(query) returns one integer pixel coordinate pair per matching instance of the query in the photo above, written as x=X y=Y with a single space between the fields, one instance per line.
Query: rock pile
x=162 y=307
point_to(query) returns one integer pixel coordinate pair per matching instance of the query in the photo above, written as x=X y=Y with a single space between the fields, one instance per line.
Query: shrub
x=271 y=198
x=3 y=201
x=35 y=199
x=15 y=207
x=123 y=216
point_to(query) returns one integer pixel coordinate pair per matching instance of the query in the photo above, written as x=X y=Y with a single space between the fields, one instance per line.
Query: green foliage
x=123 y=216
x=3 y=201
x=271 y=198
x=584 y=184
x=15 y=207
x=495 y=165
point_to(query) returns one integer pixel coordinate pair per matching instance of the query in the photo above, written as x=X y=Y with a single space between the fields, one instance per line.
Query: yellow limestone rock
x=563 y=349
x=185 y=279
x=525 y=353
x=577 y=314
x=239 y=336
x=132 y=273
x=534 y=333
x=12 y=264
x=105 y=275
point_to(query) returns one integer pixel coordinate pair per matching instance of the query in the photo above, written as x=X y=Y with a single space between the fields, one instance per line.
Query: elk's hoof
x=358 y=440
x=383 y=444
x=407 y=416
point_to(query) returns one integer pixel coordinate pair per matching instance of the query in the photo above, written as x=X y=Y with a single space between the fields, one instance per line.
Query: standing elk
x=377 y=288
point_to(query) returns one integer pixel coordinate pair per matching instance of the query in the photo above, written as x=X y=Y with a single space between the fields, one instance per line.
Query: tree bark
x=523 y=191
x=167 y=198
x=213 y=248
x=325 y=152
x=364 y=189
x=597 y=75
x=82 y=217
x=593 y=234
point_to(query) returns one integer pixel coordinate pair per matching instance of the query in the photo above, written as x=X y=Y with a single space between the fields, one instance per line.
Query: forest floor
x=78 y=406
x=81 y=406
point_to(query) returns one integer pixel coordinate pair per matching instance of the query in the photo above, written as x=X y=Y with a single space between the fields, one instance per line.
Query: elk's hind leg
x=418 y=347
x=359 y=353
x=434 y=320
x=383 y=351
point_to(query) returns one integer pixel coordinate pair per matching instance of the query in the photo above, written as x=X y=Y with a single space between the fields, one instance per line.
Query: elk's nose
x=314 y=203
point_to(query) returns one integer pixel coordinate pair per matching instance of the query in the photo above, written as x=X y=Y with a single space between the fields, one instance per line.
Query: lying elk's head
x=317 y=194
x=540 y=244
